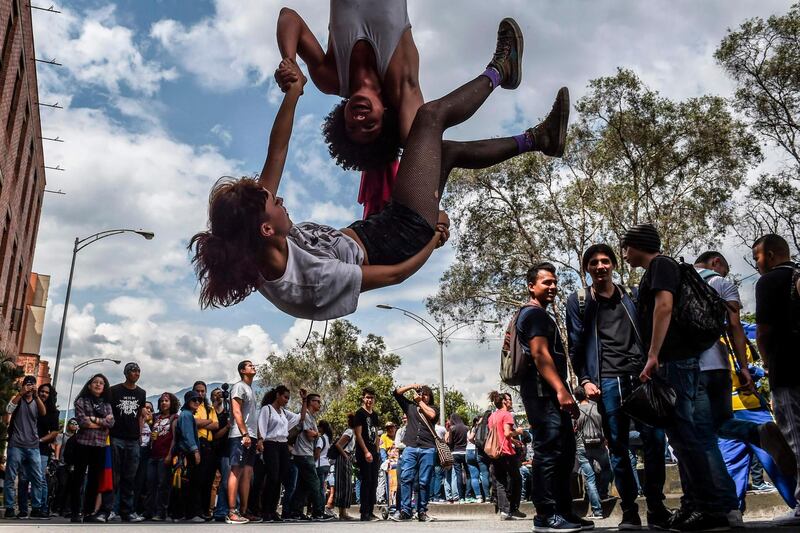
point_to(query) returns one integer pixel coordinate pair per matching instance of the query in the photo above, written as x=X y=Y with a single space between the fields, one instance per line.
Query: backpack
x=493 y=447
x=794 y=298
x=513 y=362
x=699 y=312
x=482 y=431
x=591 y=433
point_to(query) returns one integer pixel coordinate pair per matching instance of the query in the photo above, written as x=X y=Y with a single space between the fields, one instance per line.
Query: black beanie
x=643 y=237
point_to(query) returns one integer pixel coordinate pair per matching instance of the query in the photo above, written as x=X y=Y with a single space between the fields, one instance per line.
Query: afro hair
x=354 y=156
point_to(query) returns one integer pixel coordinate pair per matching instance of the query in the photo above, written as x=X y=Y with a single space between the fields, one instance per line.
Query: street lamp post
x=80 y=244
x=441 y=334
x=71 y=383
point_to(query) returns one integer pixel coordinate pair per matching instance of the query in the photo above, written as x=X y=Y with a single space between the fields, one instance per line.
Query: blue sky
x=161 y=97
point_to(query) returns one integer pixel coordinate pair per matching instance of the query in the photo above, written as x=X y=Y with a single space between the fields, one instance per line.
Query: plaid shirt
x=85 y=408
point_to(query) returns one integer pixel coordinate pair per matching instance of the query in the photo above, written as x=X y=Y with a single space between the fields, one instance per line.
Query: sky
x=162 y=97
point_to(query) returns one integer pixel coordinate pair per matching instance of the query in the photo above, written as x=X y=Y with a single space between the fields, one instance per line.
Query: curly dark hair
x=351 y=155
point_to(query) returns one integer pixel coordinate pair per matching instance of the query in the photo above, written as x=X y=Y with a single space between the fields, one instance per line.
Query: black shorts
x=393 y=235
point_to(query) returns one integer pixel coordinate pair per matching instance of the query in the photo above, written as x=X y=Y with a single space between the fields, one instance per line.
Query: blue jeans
x=525 y=473
x=457 y=485
x=478 y=474
x=689 y=443
x=288 y=490
x=221 y=507
x=616 y=427
x=24 y=484
x=596 y=482
x=738 y=455
x=416 y=462
x=125 y=457
x=29 y=460
x=713 y=412
x=554 y=455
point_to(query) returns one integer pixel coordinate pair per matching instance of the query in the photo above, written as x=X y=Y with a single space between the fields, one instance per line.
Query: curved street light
x=441 y=334
x=75 y=369
x=80 y=244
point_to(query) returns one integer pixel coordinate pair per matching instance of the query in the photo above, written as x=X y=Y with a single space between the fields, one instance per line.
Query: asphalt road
x=459 y=524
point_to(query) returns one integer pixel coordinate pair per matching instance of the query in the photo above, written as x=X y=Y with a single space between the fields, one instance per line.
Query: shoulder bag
x=442 y=449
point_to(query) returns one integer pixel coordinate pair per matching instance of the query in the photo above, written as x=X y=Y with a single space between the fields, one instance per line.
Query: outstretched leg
x=418 y=177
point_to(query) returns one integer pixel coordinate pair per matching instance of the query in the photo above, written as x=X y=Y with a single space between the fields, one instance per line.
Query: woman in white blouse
x=274 y=424
x=343 y=469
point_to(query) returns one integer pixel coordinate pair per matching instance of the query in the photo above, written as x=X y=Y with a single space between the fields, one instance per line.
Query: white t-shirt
x=322 y=280
x=323 y=443
x=244 y=392
x=304 y=446
x=351 y=444
x=274 y=426
x=716 y=357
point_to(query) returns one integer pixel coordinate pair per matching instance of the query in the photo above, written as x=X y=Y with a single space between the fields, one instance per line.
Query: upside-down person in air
x=317 y=272
x=372 y=62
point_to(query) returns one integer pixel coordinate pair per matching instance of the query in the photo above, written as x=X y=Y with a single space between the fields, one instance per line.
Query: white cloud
x=223 y=134
x=95 y=50
x=332 y=214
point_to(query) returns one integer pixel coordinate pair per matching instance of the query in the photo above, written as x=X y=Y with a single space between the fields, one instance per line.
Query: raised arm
x=295 y=37
x=281 y=132
x=377 y=276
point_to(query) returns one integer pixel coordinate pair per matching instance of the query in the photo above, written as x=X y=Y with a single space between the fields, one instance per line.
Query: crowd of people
x=224 y=455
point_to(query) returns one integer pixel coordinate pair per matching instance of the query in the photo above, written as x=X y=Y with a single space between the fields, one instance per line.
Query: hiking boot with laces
x=507 y=59
x=550 y=136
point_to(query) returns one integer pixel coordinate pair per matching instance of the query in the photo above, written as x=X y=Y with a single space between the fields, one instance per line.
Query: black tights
x=427 y=159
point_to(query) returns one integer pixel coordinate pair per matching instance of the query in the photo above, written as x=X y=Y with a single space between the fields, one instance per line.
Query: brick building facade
x=22 y=173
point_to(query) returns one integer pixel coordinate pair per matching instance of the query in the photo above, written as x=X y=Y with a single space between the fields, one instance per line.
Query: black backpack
x=699 y=312
x=482 y=431
x=591 y=433
x=794 y=298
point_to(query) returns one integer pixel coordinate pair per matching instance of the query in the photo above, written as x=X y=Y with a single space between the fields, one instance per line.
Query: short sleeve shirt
x=663 y=274
x=533 y=322
x=244 y=392
x=498 y=421
x=24 y=431
x=126 y=404
x=774 y=309
x=304 y=446
x=369 y=429
x=322 y=279
x=716 y=357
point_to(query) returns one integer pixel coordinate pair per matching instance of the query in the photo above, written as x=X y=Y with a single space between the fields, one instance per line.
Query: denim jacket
x=584 y=342
x=186 y=432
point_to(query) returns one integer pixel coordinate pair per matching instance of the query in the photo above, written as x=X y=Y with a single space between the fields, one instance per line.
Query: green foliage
x=330 y=367
x=454 y=402
x=763 y=59
x=9 y=376
x=386 y=407
x=633 y=156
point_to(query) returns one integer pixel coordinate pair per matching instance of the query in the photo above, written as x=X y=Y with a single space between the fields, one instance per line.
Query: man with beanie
x=670 y=357
x=23 y=447
x=127 y=402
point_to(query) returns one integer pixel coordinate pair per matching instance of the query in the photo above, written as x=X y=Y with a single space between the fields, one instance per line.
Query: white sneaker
x=735 y=519
x=792 y=518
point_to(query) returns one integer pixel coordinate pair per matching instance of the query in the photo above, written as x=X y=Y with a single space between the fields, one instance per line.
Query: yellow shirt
x=742 y=401
x=386 y=442
x=201 y=415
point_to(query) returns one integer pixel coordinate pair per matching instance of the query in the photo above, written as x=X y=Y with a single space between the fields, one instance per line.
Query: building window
x=33 y=200
x=12 y=114
x=23 y=134
x=8 y=40
x=8 y=301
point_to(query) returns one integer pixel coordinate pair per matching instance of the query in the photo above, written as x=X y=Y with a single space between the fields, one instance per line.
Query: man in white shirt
x=242 y=443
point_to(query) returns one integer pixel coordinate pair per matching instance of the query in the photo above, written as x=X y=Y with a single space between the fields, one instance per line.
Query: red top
x=162 y=430
x=498 y=420
x=376 y=187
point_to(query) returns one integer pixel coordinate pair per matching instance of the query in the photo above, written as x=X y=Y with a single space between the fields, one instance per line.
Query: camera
x=225 y=397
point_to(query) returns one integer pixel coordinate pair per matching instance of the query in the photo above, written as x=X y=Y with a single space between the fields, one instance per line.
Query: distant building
x=22 y=181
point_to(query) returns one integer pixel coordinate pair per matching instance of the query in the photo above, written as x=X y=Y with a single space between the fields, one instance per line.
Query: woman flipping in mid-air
x=317 y=272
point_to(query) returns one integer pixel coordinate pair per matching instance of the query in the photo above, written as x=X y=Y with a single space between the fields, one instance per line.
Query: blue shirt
x=186 y=433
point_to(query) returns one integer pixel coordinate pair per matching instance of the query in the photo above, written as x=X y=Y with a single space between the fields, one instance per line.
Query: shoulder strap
x=582 y=292
x=424 y=419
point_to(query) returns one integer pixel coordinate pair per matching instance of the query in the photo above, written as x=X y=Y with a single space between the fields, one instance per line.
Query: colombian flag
x=107 y=476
